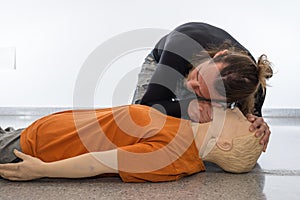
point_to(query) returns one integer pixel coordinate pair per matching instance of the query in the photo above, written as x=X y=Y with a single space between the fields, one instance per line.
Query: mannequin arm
x=86 y=165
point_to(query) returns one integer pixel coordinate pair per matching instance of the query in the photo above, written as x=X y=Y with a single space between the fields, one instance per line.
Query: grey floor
x=276 y=176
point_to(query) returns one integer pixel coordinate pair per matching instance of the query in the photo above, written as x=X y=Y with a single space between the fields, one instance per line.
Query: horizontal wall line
x=30 y=111
x=282 y=112
x=40 y=111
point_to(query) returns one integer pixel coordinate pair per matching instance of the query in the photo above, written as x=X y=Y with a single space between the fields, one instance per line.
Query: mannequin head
x=235 y=149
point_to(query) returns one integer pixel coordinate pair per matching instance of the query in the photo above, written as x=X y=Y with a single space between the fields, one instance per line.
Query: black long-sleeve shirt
x=173 y=54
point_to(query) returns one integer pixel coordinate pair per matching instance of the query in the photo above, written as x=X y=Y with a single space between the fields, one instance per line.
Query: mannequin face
x=228 y=125
x=229 y=143
x=235 y=125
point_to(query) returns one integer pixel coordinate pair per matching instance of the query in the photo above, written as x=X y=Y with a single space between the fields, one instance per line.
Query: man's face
x=201 y=80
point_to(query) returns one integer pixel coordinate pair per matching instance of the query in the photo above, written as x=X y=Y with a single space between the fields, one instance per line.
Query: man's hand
x=261 y=128
x=30 y=168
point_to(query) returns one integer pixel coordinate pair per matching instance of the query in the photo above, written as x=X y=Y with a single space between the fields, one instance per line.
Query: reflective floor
x=276 y=176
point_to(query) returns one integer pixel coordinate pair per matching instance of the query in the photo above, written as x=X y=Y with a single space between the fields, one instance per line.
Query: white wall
x=53 y=38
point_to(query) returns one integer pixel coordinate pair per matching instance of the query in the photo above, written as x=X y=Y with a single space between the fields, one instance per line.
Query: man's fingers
x=261 y=128
x=265 y=131
x=265 y=146
x=259 y=124
x=251 y=117
x=265 y=139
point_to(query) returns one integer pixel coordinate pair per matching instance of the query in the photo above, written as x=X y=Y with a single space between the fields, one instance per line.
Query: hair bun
x=265 y=70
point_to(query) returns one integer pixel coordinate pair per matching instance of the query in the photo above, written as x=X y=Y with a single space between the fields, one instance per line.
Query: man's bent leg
x=144 y=77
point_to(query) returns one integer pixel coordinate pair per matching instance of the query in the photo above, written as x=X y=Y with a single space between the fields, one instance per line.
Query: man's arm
x=172 y=67
x=86 y=165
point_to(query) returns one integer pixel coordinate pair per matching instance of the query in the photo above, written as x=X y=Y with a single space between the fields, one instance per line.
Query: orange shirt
x=151 y=146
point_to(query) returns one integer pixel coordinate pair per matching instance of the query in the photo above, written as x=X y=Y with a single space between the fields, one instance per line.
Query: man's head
x=231 y=76
x=236 y=149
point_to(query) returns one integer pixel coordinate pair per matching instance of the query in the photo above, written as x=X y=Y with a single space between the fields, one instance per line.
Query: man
x=161 y=80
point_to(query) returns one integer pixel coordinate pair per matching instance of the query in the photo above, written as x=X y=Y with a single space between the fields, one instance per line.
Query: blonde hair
x=241 y=158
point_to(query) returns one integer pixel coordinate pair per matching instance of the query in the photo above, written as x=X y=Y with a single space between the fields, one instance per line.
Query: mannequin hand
x=201 y=111
x=30 y=168
x=261 y=128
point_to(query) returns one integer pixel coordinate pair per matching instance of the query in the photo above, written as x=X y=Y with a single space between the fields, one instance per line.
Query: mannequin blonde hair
x=241 y=158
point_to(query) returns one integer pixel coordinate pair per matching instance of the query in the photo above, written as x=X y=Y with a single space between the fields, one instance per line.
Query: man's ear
x=220 y=53
x=224 y=144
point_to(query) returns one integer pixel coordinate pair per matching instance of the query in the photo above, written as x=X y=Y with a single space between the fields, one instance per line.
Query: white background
x=53 y=38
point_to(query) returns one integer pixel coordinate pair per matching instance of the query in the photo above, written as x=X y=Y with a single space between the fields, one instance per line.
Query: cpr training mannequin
x=137 y=142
